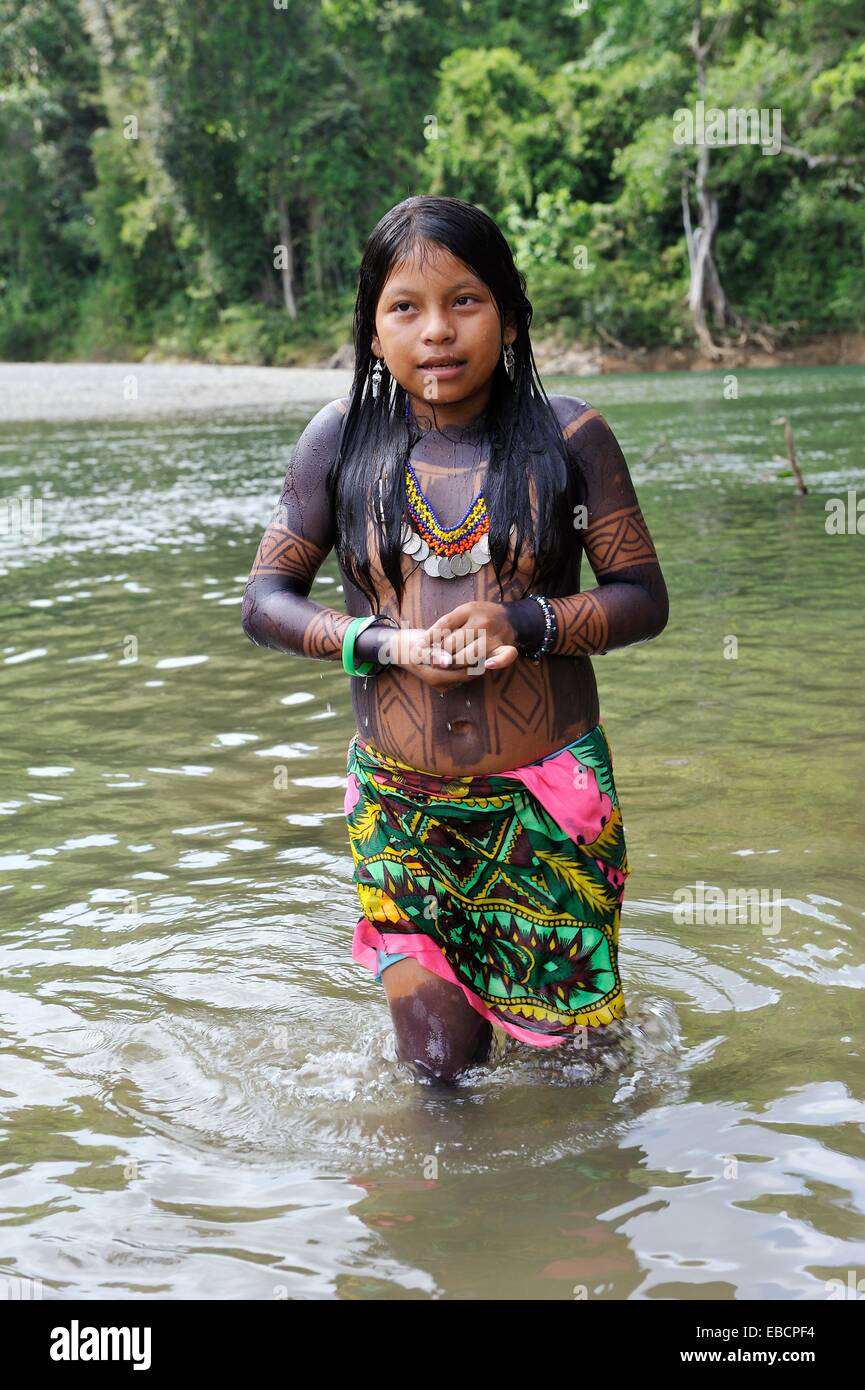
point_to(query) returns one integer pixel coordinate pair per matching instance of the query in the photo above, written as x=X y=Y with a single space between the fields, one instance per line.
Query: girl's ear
x=510 y=332
x=376 y=346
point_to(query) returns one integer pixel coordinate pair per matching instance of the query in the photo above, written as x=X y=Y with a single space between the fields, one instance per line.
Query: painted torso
x=497 y=721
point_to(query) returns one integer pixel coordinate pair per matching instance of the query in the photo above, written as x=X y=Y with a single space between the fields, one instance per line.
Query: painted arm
x=277 y=611
x=630 y=603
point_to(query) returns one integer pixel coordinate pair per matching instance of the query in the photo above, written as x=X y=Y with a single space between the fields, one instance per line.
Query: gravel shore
x=50 y=391
x=58 y=391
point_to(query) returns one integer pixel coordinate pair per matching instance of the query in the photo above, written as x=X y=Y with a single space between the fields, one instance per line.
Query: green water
x=199 y=1090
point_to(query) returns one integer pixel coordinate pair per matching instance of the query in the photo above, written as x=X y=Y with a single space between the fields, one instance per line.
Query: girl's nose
x=437 y=330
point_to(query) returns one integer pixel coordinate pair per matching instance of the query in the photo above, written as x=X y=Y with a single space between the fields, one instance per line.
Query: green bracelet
x=355 y=627
x=349 y=641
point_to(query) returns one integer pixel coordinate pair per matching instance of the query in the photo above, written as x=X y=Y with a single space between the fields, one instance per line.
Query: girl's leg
x=437 y=1030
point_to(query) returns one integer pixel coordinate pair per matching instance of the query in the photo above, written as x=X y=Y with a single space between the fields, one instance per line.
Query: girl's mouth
x=444 y=372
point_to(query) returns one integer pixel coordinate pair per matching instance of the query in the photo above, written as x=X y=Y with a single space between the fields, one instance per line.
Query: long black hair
x=377 y=439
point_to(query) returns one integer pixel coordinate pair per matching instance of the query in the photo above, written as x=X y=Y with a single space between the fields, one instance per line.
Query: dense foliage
x=199 y=176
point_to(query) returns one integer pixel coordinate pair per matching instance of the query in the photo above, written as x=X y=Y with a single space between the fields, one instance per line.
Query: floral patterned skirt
x=509 y=884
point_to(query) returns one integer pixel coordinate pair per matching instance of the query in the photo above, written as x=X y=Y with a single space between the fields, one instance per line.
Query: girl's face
x=438 y=330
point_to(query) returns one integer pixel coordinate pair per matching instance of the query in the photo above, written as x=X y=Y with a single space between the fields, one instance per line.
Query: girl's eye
x=405 y=304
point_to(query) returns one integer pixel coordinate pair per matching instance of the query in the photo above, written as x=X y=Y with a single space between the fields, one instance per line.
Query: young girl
x=482 y=812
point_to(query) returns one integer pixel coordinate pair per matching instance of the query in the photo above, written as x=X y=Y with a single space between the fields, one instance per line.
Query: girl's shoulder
x=333 y=411
x=323 y=430
x=568 y=409
x=581 y=423
x=334 y=414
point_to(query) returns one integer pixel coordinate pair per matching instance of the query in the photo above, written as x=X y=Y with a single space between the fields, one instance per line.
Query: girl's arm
x=276 y=610
x=631 y=603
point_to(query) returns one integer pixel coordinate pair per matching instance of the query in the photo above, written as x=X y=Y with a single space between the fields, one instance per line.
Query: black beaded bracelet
x=550 y=628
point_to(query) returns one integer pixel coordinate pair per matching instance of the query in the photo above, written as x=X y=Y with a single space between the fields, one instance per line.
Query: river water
x=199 y=1088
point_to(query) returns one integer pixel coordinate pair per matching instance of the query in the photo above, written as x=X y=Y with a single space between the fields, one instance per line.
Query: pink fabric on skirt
x=551 y=781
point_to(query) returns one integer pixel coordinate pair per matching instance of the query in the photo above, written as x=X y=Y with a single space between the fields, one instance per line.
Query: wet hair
x=519 y=421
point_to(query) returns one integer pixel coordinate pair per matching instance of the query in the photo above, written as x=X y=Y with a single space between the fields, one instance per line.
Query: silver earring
x=376 y=378
x=510 y=360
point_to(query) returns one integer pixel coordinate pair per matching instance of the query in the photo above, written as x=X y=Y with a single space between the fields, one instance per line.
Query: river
x=199 y=1086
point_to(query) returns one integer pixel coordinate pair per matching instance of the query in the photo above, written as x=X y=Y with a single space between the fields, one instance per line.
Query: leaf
x=594 y=753
x=585 y=881
x=610 y=844
x=362 y=827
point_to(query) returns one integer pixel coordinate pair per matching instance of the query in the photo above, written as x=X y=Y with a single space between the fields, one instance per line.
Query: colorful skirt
x=509 y=885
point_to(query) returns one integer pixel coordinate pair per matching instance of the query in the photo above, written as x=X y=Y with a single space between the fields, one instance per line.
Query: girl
x=482 y=812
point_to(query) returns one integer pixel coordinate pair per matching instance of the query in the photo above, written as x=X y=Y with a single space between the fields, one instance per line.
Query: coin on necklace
x=461 y=564
x=480 y=551
x=445 y=571
x=431 y=564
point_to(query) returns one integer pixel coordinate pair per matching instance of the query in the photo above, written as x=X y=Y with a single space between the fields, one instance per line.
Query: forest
x=197 y=178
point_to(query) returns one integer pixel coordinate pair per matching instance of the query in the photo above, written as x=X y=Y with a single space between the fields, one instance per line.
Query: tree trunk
x=707 y=208
x=287 y=261
x=689 y=230
x=705 y=280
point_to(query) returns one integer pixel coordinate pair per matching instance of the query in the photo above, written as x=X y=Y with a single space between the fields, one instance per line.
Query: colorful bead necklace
x=446 y=552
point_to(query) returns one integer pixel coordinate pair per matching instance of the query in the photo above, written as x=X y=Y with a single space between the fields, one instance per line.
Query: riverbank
x=58 y=391
x=558 y=356
x=555 y=358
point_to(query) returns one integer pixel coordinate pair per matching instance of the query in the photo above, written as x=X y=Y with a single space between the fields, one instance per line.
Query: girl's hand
x=475 y=634
x=409 y=648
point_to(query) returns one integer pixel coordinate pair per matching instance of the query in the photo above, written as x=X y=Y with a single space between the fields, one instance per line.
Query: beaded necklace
x=446 y=552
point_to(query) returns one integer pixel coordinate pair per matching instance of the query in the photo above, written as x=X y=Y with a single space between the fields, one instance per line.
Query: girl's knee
x=438 y=1031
